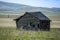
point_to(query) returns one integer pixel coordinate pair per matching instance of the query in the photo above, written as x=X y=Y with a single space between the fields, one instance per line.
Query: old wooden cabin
x=33 y=21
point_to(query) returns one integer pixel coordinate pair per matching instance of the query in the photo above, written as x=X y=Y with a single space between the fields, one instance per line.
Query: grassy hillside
x=15 y=8
x=53 y=17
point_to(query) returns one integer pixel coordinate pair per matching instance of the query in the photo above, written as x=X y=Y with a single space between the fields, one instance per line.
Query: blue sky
x=37 y=3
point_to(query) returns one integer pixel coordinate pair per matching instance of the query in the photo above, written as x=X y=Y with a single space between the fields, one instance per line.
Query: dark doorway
x=33 y=26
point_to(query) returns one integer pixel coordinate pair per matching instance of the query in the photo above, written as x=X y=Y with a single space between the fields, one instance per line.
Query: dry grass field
x=8 y=31
x=9 y=22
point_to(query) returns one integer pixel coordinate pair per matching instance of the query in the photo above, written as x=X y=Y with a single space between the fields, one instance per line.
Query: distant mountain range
x=13 y=7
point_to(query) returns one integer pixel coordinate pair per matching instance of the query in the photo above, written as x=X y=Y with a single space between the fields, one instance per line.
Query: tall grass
x=10 y=33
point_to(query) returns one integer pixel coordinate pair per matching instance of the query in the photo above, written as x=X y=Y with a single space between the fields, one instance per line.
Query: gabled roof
x=38 y=15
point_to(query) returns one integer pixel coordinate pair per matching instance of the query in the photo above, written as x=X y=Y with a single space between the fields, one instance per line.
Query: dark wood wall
x=45 y=25
x=34 y=23
x=27 y=20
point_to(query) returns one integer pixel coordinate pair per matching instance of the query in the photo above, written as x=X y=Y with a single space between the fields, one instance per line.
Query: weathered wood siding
x=27 y=19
